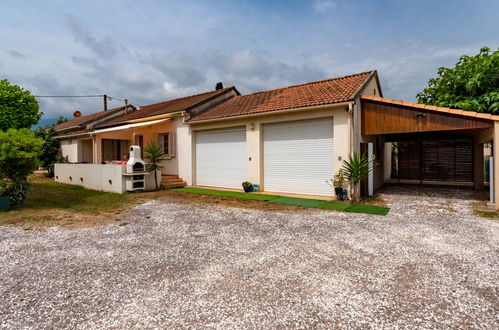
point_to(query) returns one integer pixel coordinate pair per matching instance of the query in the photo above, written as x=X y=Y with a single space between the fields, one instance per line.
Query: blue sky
x=150 y=51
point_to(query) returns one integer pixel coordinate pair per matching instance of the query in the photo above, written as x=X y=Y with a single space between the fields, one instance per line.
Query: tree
x=356 y=169
x=50 y=151
x=18 y=108
x=473 y=84
x=153 y=154
x=19 y=151
x=61 y=120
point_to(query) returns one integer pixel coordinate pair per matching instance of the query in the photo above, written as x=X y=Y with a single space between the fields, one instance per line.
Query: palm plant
x=356 y=169
x=152 y=154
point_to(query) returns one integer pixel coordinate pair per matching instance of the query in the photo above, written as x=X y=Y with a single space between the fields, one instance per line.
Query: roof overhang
x=128 y=126
x=386 y=116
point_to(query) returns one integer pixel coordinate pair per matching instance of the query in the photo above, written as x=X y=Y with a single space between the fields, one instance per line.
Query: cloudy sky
x=151 y=51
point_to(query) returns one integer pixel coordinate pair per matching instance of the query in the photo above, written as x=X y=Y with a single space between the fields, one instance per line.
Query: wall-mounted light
x=421 y=114
x=252 y=126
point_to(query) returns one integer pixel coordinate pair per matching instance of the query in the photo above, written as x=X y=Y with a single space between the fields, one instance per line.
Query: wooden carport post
x=478 y=164
x=495 y=154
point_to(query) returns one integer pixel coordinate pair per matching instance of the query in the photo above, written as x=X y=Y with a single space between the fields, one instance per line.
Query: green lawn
x=235 y=194
x=303 y=202
x=50 y=203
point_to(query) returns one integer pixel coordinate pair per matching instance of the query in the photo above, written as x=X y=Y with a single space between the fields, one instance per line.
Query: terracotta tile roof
x=431 y=107
x=334 y=90
x=180 y=104
x=83 y=120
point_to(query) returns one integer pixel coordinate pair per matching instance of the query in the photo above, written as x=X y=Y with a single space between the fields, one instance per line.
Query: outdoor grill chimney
x=219 y=86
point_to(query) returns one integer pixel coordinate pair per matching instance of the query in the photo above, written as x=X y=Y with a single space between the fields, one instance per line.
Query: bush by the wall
x=19 y=151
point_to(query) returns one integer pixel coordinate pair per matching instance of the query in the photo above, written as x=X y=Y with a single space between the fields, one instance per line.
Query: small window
x=166 y=143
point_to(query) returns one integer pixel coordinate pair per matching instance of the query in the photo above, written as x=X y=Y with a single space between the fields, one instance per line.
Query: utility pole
x=126 y=106
x=105 y=102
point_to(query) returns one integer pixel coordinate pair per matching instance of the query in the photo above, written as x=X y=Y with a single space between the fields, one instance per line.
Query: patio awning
x=128 y=126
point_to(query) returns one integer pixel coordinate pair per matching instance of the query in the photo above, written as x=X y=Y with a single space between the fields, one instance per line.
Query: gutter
x=71 y=136
x=269 y=113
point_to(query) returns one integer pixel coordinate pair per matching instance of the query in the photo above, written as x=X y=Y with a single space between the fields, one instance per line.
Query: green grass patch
x=368 y=209
x=303 y=202
x=224 y=193
x=47 y=194
x=336 y=206
x=296 y=201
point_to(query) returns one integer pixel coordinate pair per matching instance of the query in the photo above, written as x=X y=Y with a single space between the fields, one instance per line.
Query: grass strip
x=297 y=201
x=368 y=209
x=303 y=202
x=336 y=206
x=224 y=193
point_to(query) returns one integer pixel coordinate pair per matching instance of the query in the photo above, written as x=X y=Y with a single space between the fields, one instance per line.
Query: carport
x=434 y=145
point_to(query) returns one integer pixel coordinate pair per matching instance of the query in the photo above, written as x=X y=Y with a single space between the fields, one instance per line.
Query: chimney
x=76 y=114
x=219 y=86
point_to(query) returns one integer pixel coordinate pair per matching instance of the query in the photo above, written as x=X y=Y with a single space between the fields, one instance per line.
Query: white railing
x=101 y=177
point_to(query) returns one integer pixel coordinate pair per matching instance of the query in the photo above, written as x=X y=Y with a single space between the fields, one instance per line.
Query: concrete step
x=169 y=176
x=167 y=181
x=175 y=185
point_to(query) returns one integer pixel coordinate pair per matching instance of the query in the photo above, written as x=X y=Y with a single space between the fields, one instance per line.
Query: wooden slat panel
x=379 y=118
x=409 y=160
x=436 y=160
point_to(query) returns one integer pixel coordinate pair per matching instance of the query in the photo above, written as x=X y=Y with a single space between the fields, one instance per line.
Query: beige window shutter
x=172 y=142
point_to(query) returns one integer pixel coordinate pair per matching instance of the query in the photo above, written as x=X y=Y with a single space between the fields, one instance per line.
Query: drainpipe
x=351 y=125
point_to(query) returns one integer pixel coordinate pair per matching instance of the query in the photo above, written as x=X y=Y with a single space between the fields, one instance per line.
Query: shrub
x=247 y=184
x=19 y=151
x=50 y=152
x=6 y=185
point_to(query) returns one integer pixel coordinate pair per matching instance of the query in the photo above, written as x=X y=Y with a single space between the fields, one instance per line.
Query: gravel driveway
x=429 y=263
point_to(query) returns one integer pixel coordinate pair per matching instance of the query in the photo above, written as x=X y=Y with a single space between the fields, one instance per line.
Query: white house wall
x=69 y=149
x=184 y=151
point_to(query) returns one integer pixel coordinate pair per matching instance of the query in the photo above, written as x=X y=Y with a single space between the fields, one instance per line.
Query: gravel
x=431 y=263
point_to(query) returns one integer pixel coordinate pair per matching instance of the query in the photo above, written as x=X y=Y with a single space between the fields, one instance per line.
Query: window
x=165 y=139
x=167 y=143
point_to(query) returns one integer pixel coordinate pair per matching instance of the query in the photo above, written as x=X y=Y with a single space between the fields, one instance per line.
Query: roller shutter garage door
x=221 y=158
x=298 y=156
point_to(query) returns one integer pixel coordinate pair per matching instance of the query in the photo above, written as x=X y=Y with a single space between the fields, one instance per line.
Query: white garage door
x=298 y=156
x=221 y=158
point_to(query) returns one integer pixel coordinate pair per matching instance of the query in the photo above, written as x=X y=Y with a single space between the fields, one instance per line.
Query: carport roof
x=466 y=113
x=387 y=116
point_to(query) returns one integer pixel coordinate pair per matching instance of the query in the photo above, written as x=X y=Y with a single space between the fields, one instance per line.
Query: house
x=77 y=143
x=291 y=139
x=109 y=139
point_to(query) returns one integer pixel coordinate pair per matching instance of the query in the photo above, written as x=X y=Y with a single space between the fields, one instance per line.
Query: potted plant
x=247 y=186
x=356 y=169
x=153 y=154
x=337 y=183
x=6 y=185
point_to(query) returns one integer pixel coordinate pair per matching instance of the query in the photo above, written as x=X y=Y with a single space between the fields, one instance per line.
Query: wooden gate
x=449 y=160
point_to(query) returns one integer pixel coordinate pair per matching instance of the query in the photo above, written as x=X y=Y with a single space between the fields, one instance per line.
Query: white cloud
x=322 y=6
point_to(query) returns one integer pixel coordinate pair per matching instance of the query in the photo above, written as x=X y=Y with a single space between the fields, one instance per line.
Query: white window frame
x=171 y=144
